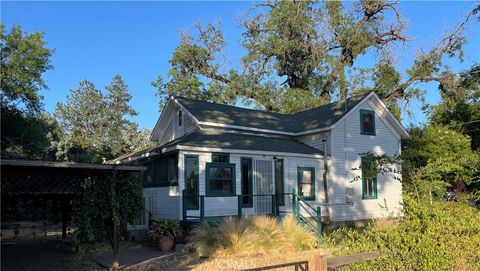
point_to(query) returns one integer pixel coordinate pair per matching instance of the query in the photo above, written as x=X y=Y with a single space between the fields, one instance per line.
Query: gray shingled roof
x=320 y=117
x=243 y=142
x=232 y=141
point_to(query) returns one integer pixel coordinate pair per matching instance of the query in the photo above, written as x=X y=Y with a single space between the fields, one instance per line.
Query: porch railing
x=302 y=211
x=270 y=202
x=306 y=214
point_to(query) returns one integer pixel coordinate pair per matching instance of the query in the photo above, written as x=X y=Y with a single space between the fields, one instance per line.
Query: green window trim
x=197 y=183
x=180 y=118
x=220 y=157
x=374 y=195
x=209 y=192
x=364 y=112
x=159 y=171
x=249 y=199
x=300 y=171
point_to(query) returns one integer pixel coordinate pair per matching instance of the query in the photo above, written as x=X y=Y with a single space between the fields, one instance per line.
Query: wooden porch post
x=184 y=209
x=239 y=205
x=202 y=207
x=294 y=204
x=64 y=210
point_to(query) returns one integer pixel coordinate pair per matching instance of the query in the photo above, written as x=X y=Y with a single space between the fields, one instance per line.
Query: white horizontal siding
x=169 y=134
x=226 y=206
x=161 y=202
x=190 y=125
x=347 y=144
x=316 y=140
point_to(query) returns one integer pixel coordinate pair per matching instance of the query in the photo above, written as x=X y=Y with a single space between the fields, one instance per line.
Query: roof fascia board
x=157 y=124
x=185 y=110
x=383 y=118
x=396 y=123
x=239 y=151
x=53 y=164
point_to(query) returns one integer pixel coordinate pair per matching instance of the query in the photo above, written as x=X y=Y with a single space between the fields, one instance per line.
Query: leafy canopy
x=24 y=58
x=26 y=129
x=437 y=157
x=96 y=126
x=299 y=54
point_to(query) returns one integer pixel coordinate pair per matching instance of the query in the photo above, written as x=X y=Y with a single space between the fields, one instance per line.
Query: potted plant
x=165 y=231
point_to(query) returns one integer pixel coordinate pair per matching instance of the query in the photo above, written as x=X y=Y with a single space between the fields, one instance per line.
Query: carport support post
x=64 y=210
x=115 y=246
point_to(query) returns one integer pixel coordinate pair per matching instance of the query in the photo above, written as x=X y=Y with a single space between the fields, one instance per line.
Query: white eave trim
x=393 y=119
x=160 y=118
x=250 y=152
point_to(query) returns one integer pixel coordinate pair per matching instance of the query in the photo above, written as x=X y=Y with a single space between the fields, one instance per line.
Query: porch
x=194 y=208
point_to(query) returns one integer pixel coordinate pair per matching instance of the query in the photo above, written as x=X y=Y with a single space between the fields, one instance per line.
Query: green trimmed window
x=247 y=181
x=191 y=182
x=220 y=158
x=161 y=172
x=306 y=182
x=172 y=171
x=180 y=117
x=279 y=187
x=220 y=179
x=369 y=184
x=367 y=122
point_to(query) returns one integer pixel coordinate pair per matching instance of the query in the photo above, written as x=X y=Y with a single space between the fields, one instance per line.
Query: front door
x=263 y=179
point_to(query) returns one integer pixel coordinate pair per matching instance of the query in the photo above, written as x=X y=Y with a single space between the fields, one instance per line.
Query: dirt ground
x=42 y=254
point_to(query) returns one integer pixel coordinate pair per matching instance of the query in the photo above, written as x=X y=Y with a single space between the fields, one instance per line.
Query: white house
x=217 y=160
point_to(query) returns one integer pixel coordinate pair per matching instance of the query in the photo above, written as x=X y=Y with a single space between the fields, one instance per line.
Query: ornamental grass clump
x=297 y=236
x=251 y=235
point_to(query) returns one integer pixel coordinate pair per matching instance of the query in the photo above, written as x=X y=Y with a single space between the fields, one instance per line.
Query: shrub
x=252 y=234
x=437 y=236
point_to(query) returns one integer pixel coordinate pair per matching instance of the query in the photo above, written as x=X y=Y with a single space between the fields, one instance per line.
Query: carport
x=47 y=180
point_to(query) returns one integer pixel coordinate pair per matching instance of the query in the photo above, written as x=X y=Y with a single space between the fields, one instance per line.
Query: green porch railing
x=302 y=211
x=314 y=218
x=197 y=202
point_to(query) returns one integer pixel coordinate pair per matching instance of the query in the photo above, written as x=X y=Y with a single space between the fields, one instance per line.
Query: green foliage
x=437 y=157
x=28 y=136
x=252 y=234
x=377 y=164
x=300 y=54
x=105 y=200
x=438 y=236
x=96 y=126
x=460 y=105
x=26 y=131
x=165 y=227
x=24 y=58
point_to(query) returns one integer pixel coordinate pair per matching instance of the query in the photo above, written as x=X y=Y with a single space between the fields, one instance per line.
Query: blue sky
x=96 y=40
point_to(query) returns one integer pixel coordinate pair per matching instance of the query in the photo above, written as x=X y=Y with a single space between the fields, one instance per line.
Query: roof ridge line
x=271 y=112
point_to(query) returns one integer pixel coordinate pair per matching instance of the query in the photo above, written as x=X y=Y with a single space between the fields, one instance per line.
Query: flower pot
x=203 y=251
x=165 y=243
